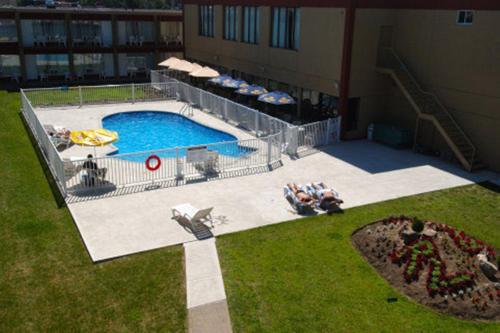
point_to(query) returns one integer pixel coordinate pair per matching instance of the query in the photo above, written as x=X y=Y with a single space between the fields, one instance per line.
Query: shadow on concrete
x=199 y=230
x=78 y=194
x=376 y=158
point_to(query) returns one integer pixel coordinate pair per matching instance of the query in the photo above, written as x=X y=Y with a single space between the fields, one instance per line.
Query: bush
x=417 y=225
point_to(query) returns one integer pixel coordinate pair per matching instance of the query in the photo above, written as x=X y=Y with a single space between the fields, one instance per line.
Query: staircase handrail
x=403 y=66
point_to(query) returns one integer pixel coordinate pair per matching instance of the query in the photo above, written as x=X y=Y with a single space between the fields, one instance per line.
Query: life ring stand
x=148 y=163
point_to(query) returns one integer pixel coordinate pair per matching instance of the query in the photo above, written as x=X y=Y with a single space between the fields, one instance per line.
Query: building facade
x=41 y=45
x=331 y=54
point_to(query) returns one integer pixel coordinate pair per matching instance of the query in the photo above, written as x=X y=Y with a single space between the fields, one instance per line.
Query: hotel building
x=432 y=67
x=42 y=46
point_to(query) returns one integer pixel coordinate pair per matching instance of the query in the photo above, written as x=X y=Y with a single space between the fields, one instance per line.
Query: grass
x=47 y=280
x=71 y=95
x=306 y=276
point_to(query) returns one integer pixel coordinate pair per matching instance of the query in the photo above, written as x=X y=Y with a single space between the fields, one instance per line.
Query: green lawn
x=306 y=276
x=71 y=95
x=47 y=280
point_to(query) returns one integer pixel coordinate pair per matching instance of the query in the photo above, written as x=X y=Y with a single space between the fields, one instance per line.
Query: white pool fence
x=272 y=137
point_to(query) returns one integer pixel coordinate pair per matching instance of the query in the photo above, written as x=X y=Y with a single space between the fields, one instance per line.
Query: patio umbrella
x=218 y=80
x=94 y=138
x=195 y=68
x=234 y=84
x=252 y=90
x=277 y=98
x=205 y=72
x=182 y=66
x=169 y=62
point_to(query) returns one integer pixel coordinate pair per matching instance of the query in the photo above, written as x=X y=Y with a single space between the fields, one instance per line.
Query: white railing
x=318 y=134
x=45 y=143
x=241 y=116
x=106 y=94
x=130 y=169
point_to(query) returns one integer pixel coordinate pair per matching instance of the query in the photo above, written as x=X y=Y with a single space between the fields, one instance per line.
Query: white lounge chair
x=192 y=214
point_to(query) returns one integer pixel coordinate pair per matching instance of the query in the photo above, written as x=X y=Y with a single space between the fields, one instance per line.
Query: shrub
x=417 y=225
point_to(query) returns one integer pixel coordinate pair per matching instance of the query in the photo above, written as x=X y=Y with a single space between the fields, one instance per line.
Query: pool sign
x=153 y=166
x=197 y=154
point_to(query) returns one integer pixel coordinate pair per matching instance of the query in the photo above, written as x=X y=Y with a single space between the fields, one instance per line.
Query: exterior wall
x=316 y=65
x=111 y=43
x=461 y=65
x=372 y=88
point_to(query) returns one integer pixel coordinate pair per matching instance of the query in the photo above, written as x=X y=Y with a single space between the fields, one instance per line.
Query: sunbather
x=326 y=196
x=301 y=195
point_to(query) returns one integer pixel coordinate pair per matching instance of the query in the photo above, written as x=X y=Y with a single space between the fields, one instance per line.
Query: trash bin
x=392 y=136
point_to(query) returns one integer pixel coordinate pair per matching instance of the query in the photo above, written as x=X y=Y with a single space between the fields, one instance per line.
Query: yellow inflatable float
x=94 y=138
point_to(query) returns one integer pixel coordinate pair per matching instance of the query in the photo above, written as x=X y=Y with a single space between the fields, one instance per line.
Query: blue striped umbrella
x=277 y=98
x=219 y=79
x=252 y=90
x=234 y=84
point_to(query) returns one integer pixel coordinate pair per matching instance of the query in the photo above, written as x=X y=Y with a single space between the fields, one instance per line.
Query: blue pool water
x=149 y=130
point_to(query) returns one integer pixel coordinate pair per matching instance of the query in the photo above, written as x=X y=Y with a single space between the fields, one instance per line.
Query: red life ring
x=148 y=163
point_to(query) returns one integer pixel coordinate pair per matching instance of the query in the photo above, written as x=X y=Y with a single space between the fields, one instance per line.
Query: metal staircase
x=428 y=107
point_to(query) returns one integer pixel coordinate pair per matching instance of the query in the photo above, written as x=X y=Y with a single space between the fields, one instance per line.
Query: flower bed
x=439 y=267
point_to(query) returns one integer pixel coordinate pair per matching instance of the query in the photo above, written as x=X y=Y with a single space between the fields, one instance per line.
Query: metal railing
x=429 y=102
x=257 y=123
x=318 y=134
x=121 y=170
x=45 y=143
x=95 y=95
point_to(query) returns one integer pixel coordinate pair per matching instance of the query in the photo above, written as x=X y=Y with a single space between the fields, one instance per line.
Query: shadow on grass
x=490 y=186
x=58 y=198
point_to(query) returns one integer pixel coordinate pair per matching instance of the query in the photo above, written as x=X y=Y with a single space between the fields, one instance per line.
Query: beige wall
x=461 y=65
x=316 y=65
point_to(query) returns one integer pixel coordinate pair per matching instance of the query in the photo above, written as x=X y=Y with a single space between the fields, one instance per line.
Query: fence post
x=329 y=133
x=178 y=173
x=133 y=93
x=256 y=124
x=269 y=150
x=80 y=95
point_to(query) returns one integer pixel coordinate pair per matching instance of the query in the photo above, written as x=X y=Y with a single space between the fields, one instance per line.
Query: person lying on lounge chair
x=301 y=195
x=326 y=196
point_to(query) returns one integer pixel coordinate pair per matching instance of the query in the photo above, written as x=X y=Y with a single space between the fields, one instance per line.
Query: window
x=285 y=28
x=206 y=21
x=230 y=19
x=8 y=31
x=251 y=24
x=465 y=17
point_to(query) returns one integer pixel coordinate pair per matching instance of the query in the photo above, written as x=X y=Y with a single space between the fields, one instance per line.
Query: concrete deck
x=90 y=117
x=362 y=172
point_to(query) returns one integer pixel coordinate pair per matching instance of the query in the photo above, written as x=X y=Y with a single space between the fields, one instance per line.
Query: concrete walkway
x=206 y=299
x=362 y=172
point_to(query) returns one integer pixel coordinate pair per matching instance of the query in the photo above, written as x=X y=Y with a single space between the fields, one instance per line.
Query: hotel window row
x=206 y=20
x=285 y=25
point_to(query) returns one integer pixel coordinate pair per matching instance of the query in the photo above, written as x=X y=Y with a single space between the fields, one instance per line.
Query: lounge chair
x=318 y=195
x=60 y=142
x=192 y=214
x=297 y=205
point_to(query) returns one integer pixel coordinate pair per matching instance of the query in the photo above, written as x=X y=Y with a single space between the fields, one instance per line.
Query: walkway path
x=206 y=298
x=362 y=172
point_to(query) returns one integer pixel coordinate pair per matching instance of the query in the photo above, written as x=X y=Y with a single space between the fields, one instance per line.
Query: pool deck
x=90 y=117
x=362 y=172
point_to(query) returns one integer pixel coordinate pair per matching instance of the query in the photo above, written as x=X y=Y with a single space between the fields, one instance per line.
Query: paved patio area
x=362 y=172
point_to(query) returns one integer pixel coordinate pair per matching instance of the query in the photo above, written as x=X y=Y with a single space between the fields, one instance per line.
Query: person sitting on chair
x=91 y=171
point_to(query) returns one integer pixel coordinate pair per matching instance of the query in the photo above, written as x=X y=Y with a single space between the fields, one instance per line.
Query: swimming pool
x=141 y=131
